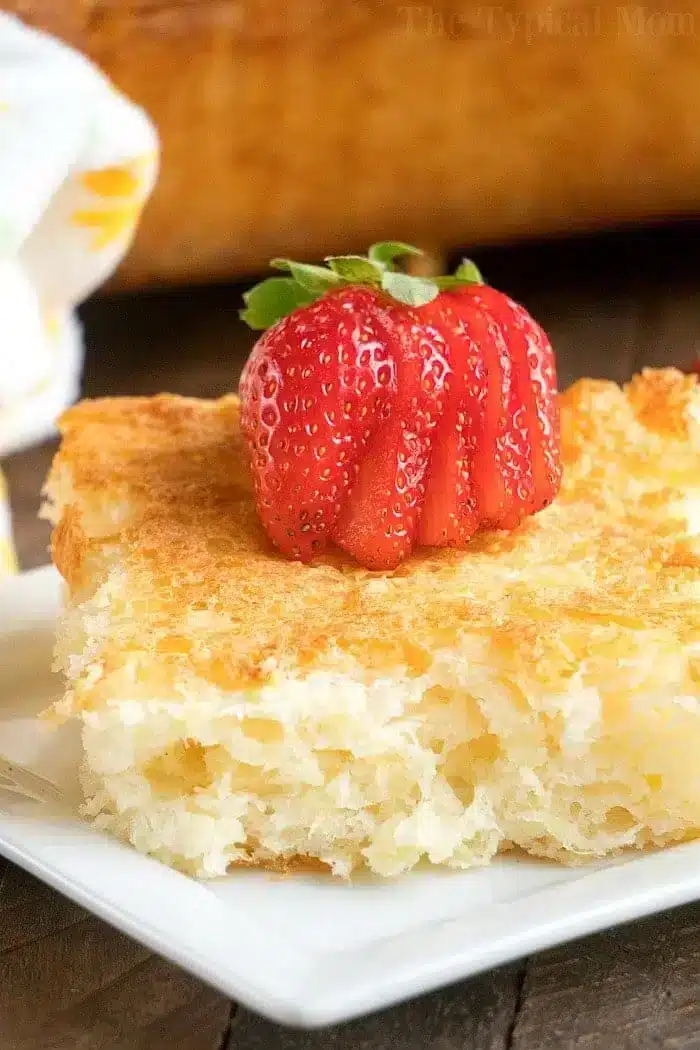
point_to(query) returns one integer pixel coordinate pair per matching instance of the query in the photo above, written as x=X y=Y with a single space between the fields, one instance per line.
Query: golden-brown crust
x=663 y=401
x=68 y=544
x=284 y=866
x=159 y=489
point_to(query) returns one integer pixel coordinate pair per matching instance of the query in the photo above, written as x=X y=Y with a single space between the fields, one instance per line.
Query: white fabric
x=77 y=163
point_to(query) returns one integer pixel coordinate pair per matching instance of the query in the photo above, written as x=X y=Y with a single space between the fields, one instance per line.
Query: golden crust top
x=155 y=494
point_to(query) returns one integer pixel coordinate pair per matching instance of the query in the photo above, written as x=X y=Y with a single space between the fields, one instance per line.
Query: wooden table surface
x=69 y=982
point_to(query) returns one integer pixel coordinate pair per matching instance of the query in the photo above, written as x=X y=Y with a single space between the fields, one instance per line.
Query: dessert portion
x=540 y=688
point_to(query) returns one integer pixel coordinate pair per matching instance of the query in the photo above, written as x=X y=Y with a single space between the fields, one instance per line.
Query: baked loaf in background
x=306 y=127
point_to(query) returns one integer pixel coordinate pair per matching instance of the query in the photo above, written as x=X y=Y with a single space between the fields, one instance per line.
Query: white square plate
x=300 y=950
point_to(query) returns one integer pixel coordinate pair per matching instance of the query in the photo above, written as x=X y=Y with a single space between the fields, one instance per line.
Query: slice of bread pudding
x=540 y=689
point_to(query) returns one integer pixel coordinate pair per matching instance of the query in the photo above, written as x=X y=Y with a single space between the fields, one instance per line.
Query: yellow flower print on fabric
x=109 y=224
x=119 y=181
x=118 y=220
x=8 y=558
x=52 y=324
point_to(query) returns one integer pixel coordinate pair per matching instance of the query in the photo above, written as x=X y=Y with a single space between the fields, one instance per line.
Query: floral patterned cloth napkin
x=77 y=164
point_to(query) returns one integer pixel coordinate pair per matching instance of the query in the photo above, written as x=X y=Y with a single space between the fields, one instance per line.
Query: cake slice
x=539 y=689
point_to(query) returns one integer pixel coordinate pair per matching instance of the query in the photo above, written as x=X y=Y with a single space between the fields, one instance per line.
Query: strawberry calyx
x=277 y=297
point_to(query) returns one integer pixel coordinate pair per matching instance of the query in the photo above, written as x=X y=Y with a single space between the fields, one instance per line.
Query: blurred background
x=556 y=143
x=305 y=127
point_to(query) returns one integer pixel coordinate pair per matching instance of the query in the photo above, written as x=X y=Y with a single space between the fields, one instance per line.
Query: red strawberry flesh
x=450 y=513
x=314 y=390
x=378 y=521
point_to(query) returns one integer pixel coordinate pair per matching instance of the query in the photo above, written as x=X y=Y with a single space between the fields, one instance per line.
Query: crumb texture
x=540 y=689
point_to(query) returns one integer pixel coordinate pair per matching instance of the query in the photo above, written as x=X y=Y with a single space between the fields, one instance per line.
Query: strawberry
x=379 y=518
x=383 y=411
x=314 y=391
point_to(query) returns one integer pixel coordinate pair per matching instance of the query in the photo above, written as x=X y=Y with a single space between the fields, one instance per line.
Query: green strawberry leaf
x=314 y=279
x=469 y=273
x=466 y=273
x=271 y=300
x=412 y=291
x=357 y=269
x=448 y=282
x=274 y=298
x=385 y=252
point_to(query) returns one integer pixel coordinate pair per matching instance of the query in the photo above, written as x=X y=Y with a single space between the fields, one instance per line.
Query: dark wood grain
x=476 y=1015
x=635 y=988
x=68 y=981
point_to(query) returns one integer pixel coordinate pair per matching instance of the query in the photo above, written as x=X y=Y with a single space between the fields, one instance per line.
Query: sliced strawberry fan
x=384 y=411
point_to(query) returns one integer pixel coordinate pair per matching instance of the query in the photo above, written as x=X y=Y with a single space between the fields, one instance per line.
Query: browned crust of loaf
x=630 y=69
x=68 y=545
x=192 y=541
